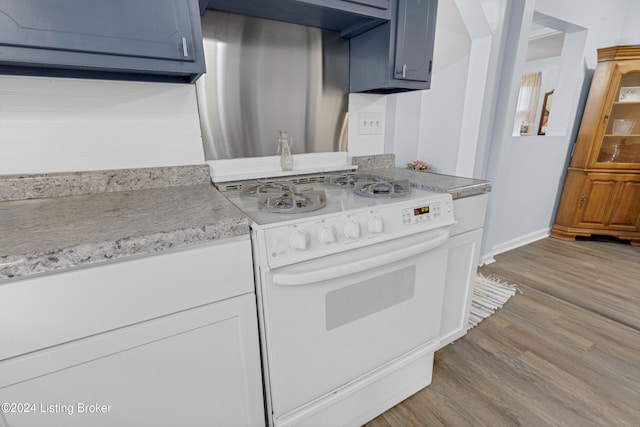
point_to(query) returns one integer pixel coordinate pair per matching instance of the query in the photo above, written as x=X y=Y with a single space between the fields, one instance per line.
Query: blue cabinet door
x=348 y=4
x=415 y=30
x=133 y=36
x=397 y=55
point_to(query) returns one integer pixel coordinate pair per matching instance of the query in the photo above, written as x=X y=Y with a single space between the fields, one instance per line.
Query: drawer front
x=469 y=213
x=50 y=310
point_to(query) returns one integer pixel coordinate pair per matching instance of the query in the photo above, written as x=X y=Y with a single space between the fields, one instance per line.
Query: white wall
x=442 y=109
x=609 y=23
x=528 y=172
x=630 y=30
x=403 y=126
x=56 y=124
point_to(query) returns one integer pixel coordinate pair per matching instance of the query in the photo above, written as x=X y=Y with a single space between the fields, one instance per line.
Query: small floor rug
x=489 y=294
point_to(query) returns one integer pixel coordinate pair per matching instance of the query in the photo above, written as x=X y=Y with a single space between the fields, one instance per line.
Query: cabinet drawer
x=49 y=310
x=469 y=213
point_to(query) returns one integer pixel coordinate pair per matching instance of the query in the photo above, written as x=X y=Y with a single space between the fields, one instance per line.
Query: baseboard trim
x=515 y=243
x=486 y=259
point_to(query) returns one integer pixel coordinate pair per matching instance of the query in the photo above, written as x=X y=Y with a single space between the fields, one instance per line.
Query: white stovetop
x=339 y=201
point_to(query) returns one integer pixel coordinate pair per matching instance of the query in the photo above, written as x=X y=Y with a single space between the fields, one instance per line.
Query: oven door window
x=353 y=302
x=322 y=334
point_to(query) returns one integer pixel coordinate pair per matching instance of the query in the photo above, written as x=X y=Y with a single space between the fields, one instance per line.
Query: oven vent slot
x=229 y=187
x=309 y=179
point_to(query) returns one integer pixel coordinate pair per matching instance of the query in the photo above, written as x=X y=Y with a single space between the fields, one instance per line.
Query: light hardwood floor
x=564 y=352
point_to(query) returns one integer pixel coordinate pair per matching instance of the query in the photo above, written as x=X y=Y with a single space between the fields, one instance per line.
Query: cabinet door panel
x=598 y=195
x=396 y=56
x=626 y=213
x=198 y=367
x=464 y=250
x=141 y=28
x=414 y=40
x=617 y=143
x=155 y=40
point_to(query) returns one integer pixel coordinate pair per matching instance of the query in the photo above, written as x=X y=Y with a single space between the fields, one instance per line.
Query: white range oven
x=350 y=273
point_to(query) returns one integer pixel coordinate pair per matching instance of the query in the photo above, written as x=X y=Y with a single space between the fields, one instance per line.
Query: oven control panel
x=419 y=214
x=309 y=238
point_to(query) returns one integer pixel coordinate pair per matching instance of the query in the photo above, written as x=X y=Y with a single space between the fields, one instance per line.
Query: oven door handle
x=314 y=275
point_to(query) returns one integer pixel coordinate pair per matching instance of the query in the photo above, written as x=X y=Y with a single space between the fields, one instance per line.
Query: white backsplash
x=58 y=124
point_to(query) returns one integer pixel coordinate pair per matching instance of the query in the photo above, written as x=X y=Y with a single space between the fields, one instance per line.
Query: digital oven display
x=421 y=211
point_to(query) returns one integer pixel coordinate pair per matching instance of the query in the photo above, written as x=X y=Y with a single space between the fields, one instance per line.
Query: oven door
x=329 y=321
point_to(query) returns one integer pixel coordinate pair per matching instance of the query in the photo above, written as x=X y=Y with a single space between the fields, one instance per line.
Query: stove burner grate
x=292 y=202
x=349 y=179
x=382 y=188
x=255 y=189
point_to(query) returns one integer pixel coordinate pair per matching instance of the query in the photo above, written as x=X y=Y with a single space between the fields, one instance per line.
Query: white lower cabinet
x=193 y=367
x=462 y=263
x=198 y=367
x=461 y=269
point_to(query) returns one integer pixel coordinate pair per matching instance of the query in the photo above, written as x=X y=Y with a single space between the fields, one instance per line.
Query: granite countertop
x=45 y=227
x=457 y=186
x=383 y=165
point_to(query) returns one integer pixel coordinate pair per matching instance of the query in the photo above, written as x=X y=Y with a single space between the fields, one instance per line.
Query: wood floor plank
x=564 y=352
x=603 y=277
x=587 y=364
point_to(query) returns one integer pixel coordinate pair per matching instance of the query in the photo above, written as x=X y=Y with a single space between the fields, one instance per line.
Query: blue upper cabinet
x=349 y=17
x=352 y=5
x=396 y=56
x=416 y=21
x=157 y=40
x=381 y=4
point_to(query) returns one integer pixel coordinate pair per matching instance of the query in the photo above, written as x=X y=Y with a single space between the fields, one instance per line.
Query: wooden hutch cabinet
x=602 y=190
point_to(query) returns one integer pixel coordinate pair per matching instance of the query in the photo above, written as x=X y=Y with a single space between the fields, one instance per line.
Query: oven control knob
x=375 y=225
x=327 y=235
x=299 y=240
x=352 y=230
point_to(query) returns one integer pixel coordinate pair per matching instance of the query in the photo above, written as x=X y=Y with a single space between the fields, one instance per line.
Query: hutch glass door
x=621 y=140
